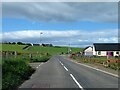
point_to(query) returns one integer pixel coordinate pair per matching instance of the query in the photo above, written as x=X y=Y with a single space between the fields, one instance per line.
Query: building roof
x=87 y=48
x=107 y=46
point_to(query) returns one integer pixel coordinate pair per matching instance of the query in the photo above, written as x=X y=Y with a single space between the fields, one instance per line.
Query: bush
x=40 y=59
x=14 y=73
x=20 y=43
x=114 y=66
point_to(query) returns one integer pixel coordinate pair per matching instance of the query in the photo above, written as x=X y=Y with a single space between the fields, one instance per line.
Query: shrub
x=114 y=66
x=14 y=73
x=40 y=59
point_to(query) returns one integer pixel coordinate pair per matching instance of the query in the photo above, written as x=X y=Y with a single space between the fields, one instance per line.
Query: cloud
x=60 y=1
x=62 y=11
x=74 y=37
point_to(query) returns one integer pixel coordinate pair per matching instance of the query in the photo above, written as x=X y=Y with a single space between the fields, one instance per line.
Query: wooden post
x=30 y=55
x=15 y=54
x=6 y=54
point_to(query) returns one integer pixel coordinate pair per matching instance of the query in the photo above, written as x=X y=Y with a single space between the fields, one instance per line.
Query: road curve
x=62 y=73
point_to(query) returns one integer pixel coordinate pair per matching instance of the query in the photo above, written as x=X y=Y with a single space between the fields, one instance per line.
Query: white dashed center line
x=72 y=77
x=76 y=82
x=61 y=63
x=65 y=68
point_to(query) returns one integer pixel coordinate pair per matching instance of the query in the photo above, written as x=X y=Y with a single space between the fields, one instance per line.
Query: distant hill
x=34 y=49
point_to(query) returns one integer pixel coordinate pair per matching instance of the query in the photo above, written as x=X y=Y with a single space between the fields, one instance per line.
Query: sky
x=79 y=24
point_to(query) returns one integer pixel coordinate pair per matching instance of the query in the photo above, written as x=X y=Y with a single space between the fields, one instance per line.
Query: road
x=59 y=72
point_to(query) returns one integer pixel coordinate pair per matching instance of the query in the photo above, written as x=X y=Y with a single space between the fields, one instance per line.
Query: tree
x=13 y=43
x=9 y=43
x=19 y=43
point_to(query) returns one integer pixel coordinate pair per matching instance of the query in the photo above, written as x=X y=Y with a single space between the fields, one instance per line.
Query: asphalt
x=59 y=72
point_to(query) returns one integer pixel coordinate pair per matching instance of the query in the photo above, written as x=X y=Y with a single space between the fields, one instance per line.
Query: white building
x=103 y=49
x=88 y=51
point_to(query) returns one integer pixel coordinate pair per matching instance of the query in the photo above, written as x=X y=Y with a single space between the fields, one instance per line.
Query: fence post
x=15 y=54
x=30 y=55
x=6 y=54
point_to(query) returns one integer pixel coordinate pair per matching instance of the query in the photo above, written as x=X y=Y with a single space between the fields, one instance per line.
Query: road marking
x=61 y=63
x=76 y=82
x=65 y=68
x=97 y=69
x=36 y=67
x=39 y=65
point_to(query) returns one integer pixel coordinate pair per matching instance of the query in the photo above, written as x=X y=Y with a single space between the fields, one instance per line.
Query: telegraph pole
x=41 y=43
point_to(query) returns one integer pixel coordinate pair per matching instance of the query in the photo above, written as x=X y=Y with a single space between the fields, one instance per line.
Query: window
x=110 y=53
x=106 y=53
x=117 y=52
x=99 y=52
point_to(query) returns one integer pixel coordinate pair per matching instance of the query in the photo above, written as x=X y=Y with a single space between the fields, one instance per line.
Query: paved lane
x=62 y=73
x=50 y=75
x=90 y=78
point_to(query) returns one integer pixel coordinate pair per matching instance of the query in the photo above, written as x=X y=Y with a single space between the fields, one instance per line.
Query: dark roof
x=107 y=46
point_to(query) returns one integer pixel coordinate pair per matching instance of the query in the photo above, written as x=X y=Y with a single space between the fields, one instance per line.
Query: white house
x=103 y=49
x=88 y=51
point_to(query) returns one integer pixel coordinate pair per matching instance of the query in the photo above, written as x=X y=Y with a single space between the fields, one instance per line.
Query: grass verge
x=40 y=59
x=99 y=60
x=14 y=73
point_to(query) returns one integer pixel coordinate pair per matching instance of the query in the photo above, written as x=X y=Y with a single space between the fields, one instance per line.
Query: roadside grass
x=99 y=60
x=16 y=70
x=0 y=60
x=14 y=73
x=40 y=59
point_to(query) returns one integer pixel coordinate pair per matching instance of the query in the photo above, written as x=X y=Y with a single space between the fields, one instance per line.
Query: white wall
x=103 y=53
x=94 y=52
x=88 y=51
x=116 y=54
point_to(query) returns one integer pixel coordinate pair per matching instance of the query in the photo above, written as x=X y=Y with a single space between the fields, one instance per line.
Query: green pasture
x=52 y=50
x=38 y=49
x=11 y=47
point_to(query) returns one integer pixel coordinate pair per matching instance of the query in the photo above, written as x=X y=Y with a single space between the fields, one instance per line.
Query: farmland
x=34 y=49
x=52 y=50
x=10 y=47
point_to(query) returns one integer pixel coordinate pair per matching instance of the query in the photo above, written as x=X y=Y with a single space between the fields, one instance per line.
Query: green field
x=10 y=47
x=34 y=49
x=52 y=50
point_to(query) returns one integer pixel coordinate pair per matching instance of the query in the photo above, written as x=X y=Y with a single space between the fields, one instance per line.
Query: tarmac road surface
x=59 y=72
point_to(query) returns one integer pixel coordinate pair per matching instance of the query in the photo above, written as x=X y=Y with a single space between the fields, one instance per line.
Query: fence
x=104 y=61
x=23 y=55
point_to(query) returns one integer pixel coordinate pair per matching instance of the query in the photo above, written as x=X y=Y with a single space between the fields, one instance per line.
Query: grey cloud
x=75 y=38
x=62 y=11
x=61 y=1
